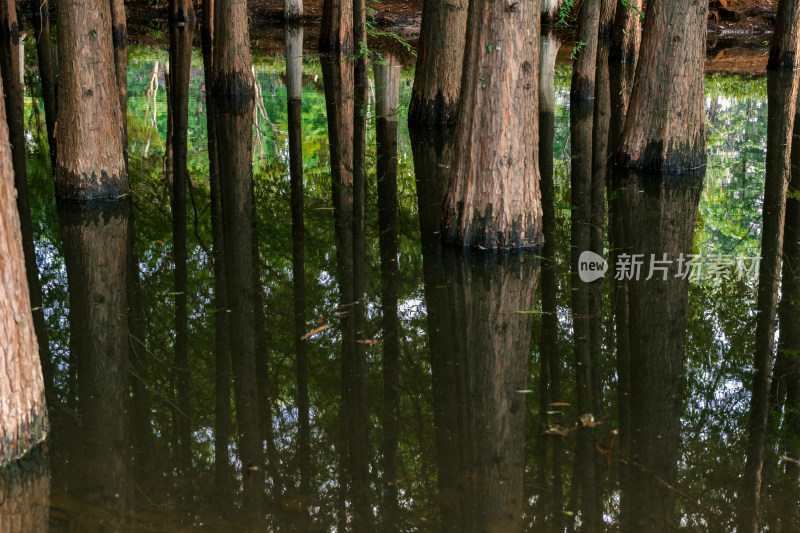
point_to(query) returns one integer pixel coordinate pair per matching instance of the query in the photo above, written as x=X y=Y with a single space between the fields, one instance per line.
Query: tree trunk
x=90 y=162
x=494 y=199
x=664 y=129
x=292 y=10
x=550 y=12
x=232 y=71
x=23 y=412
x=782 y=96
x=44 y=52
x=585 y=52
x=437 y=76
x=119 y=32
x=387 y=84
x=626 y=35
x=182 y=23
x=785 y=46
x=336 y=34
x=25 y=496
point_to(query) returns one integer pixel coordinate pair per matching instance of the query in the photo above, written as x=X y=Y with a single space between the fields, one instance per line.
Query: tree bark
x=292 y=10
x=664 y=129
x=90 y=162
x=782 y=97
x=437 y=76
x=626 y=34
x=784 y=49
x=232 y=70
x=44 y=52
x=25 y=496
x=550 y=12
x=23 y=412
x=119 y=34
x=494 y=199
x=336 y=34
x=585 y=51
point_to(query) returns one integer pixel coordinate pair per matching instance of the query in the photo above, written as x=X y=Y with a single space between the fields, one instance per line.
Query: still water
x=396 y=386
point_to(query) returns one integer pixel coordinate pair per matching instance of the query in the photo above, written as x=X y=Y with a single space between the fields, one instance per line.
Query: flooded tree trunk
x=494 y=199
x=119 y=34
x=785 y=43
x=231 y=65
x=585 y=52
x=664 y=128
x=550 y=11
x=182 y=22
x=626 y=34
x=336 y=34
x=23 y=412
x=549 y=351
x=659 y=217
x=44 y=53
x=782 y=96
x=437 y=75
x=25 y=496
x=387 y=84
x=90 y=162
x=96 y=238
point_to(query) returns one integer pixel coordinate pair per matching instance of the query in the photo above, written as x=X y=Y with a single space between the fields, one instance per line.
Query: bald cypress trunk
x=437 y=76
x=232 y=71
x=23 y=412
x=25 y=496
x=494 y=199
x=784 y=50
x=44 y=52
x=664 y=129
x=585 y=51
x=90 y=162
x=336 y=34
x=626 y=34
x=550 y=11
x=119 y=32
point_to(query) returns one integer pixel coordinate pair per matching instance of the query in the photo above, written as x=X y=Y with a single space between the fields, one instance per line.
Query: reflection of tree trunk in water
x=786 y=376
x=479 y=361
x=233 y=123
x=581 y=181
x=782 y=96
x=96 y=239
x=358 y=433
x=44 y=52
x=387 y=82
x=294 y=93
x=181 y=35
x=25 y=496
x=659 y=220
x=621 y=77
x=549 y=353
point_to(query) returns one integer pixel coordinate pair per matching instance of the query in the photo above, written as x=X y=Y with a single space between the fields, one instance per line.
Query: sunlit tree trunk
x=437 y=76
x=23 y=412
x=626 y=35
x=336 y=34
x=90 y=161
x=782 y=96
x=784 y=50
x=494 y=199
x=44 y=52
x=664 y=129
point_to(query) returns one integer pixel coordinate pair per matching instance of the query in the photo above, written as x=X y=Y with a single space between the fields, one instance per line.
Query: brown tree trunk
x=585 y=52
x=664 y=129
x=782 y=97
x=232 y=71
x=23 y=412
x=119 y=32
x=437 y=75
x=182 y=25
x=494 y=199
x=44 y=52
x=25 y=496
x=387 y=84
x=336 y=34
x=90 y=162
x=626 y=35
x=785 y=46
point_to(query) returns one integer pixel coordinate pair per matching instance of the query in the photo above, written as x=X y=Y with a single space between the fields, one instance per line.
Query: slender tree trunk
x=232 y=72
x=90 y=162
x=119 y=33
x=437 y=76
x=664 y=129
x=782 y=97
x=336 y=34
x=494 y=199
x=292 y=10
x=387 y=83
x=182 y=23
x=23 y=411
x=784 y=50
x=550 y=12
x=585 y=52
x=44 y=52
x=626 y=35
